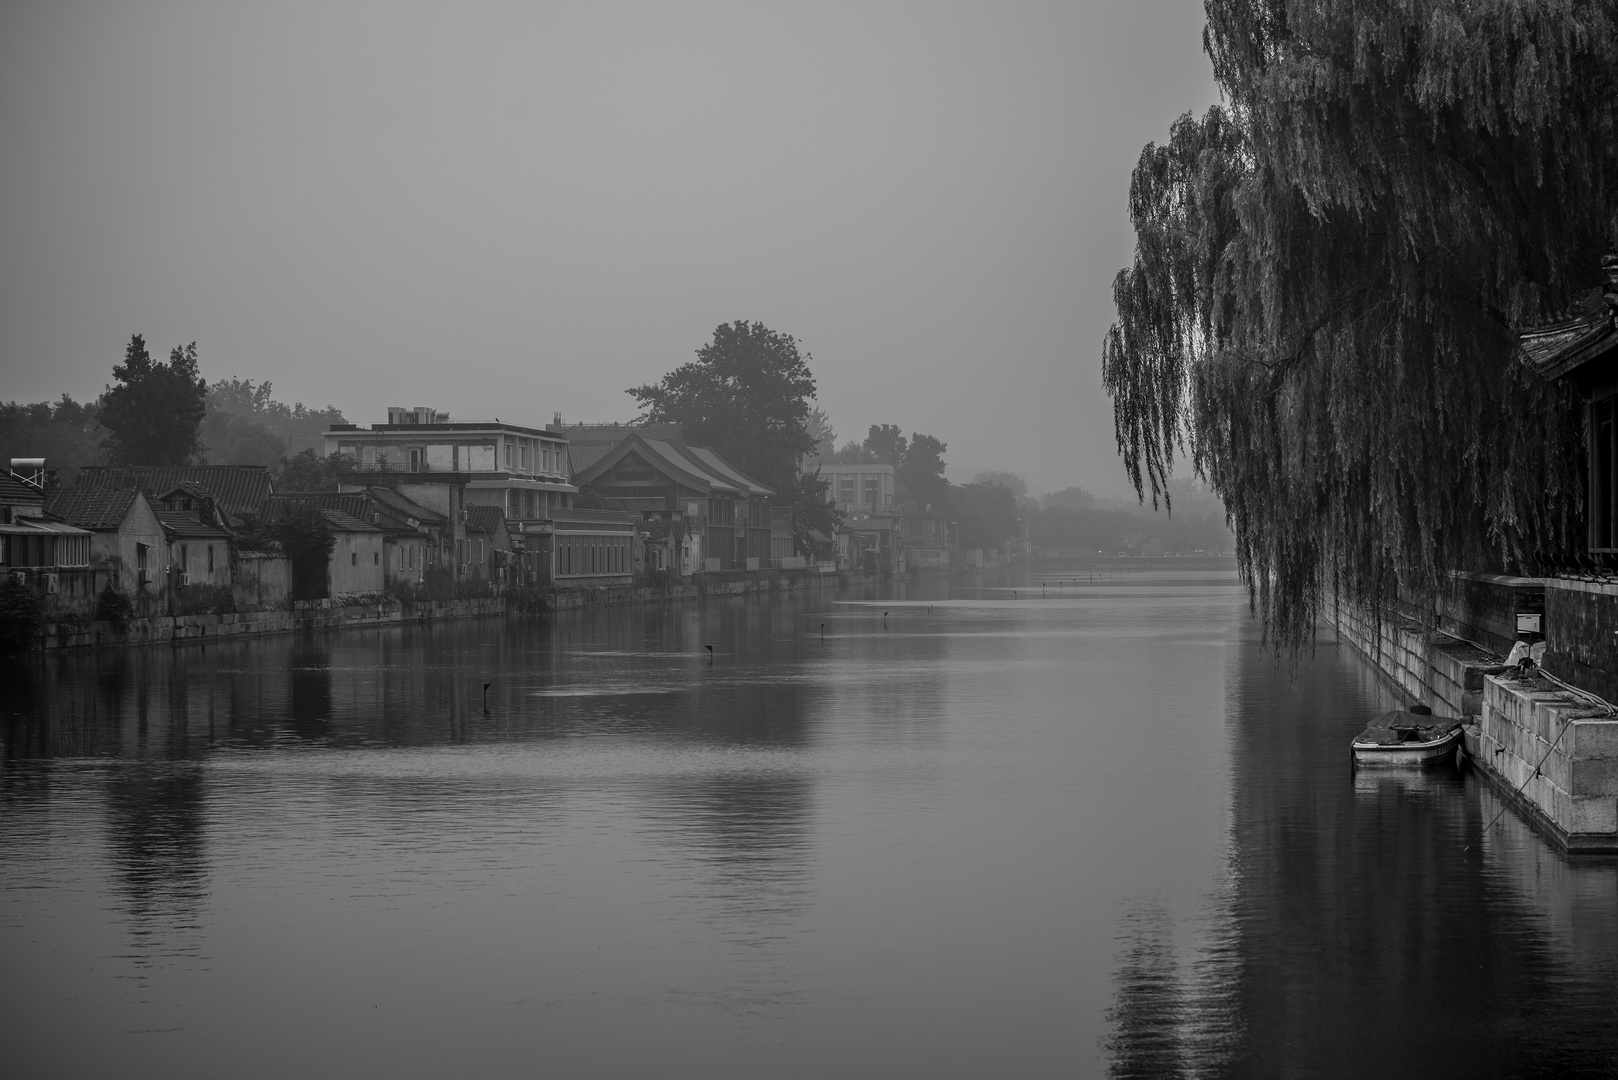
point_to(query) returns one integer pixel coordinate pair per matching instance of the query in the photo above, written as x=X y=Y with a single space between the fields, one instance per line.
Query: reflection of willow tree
x=1149 y=1003
x=1169 y=1020
x=158 y=849
x=1329 y=275
x=1352 y=930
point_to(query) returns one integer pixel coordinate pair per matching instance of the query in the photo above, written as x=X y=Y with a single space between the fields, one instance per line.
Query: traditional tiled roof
x=183 y=523
x=93 y=507
x=698 y=467
x=341 y=522
x=14 y=491
x=239 y=489
x=724 y=468
x=297 y=444
x=486 y=519
x=668 y=455
x=406 y=507
x=352 y=503
x=1586 y=332
x=382 y=507
x=583 y=455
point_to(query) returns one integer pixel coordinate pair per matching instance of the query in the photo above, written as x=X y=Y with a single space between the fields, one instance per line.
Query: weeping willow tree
x=1330 y=273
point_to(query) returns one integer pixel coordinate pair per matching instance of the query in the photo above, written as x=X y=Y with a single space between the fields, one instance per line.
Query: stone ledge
x=1554 y=756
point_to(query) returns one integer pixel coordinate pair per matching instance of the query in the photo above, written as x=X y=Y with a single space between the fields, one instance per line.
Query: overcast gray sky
x=519 y=210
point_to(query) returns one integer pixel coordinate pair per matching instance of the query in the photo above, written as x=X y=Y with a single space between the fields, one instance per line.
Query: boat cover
x=1400 y=726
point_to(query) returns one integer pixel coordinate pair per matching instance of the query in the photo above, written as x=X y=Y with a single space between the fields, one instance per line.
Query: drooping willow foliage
x=1329 y=276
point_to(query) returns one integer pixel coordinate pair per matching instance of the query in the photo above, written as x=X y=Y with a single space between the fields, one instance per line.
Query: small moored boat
x=1407 y=740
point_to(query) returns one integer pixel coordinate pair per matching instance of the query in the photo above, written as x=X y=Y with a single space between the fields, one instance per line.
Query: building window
x=210 y=558
x=183 y=559
x=376 y=558
x=353 y=558
x=416 y=463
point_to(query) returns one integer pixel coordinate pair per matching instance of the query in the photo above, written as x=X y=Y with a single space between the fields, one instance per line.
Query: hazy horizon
x=518 y=212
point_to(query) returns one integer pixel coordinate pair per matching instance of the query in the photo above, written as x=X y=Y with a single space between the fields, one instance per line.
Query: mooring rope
x=1504 y=804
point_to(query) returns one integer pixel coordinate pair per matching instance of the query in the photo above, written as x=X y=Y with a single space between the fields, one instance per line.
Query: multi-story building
x=861 y=488
x=446 y=465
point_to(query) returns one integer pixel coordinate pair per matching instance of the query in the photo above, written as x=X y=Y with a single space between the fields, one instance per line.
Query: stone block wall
x=1555 y=755
x=1550 y=751
x=1431 y=669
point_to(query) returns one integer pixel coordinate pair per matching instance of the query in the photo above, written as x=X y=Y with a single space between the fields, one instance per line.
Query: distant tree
x=886 y=442
x=813 y=511
x=303 y=533
x=308 y=471
x=986 y=513
x=229 y=439
x=252 y=401
x=820 y=430
x=155 y=410
x=746 y=395
x=1073 y=498
x=1011 y=480
x=922 y=473
x=852 y=453
x=65 y=433
x=253 y=533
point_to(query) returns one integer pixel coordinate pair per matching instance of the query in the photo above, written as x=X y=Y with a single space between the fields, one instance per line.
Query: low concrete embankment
x=1547 y=750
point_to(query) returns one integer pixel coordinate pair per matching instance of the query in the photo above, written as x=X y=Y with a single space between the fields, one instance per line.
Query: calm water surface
x=968 y=828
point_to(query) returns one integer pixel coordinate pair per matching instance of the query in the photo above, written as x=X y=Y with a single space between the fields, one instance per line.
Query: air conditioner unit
x=19 y=577
x=183 y=579
x=50 y=583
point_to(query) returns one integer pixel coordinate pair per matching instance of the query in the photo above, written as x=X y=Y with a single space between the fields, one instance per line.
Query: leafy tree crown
x=154 y=410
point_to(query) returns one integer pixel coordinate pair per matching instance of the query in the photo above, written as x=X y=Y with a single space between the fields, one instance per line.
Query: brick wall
x=1484 y=607
x=1581 y=635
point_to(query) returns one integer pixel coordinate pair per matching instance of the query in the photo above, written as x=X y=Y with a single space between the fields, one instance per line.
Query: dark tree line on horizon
x=157 y=413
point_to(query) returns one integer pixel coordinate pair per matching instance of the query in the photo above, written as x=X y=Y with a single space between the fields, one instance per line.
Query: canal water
x=1056 y=823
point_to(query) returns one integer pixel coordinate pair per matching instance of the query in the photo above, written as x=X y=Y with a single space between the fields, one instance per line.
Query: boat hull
x=1407 y=755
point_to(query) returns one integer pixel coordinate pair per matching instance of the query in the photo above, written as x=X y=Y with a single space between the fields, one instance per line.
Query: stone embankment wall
x=302 y=615
x=1560 y=753
x=381 y=610
x=733 y=583
x=1429 y=668
x=1549 y=751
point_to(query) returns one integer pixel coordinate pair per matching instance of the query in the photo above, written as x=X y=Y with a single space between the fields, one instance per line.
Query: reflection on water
x=1355 y=938
x=1054 y=824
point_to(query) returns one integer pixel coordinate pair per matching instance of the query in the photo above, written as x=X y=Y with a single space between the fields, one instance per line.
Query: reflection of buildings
x=156 y=832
